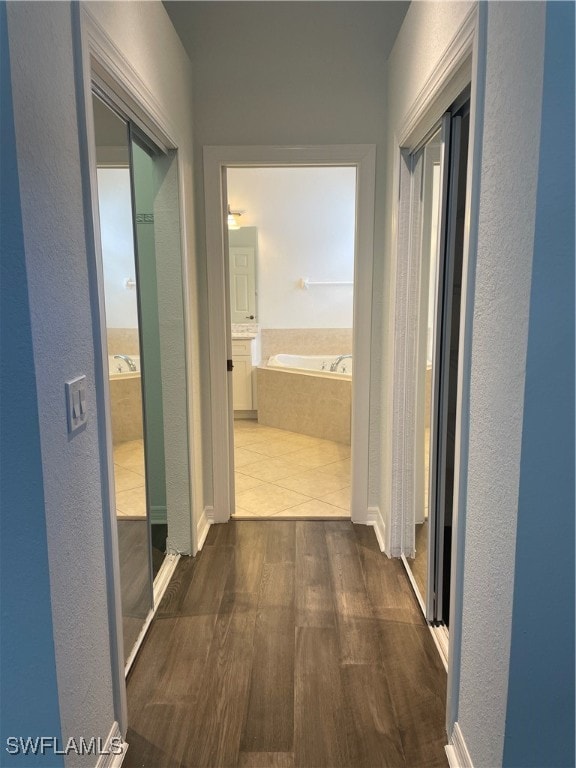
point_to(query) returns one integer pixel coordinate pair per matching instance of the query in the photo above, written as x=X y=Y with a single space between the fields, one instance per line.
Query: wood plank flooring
x=287 y=644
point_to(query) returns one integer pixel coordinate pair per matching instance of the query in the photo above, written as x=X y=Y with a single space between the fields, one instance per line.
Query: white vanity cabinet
x=244 y=359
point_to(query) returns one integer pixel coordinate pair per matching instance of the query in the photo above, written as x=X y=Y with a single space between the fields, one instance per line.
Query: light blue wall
x=540 y=712
x=28 y=686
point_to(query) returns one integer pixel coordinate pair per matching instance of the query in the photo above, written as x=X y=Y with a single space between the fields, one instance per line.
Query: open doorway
x=217 y=160
x=291 y=245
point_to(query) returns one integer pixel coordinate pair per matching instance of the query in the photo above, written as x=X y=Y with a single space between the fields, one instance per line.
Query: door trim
x=216 y=160
x=462 y=63
x=98 y=58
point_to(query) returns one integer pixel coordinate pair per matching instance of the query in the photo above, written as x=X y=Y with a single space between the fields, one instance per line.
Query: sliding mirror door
x=125 y=202
x=439 y=186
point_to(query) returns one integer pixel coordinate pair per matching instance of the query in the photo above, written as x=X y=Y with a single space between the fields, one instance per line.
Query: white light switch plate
x=76 y=405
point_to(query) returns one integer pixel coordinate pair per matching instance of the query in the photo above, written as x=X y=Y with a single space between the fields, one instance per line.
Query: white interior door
x=242 y=284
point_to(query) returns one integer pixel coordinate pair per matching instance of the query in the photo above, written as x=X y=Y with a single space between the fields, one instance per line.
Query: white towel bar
x=305 y=283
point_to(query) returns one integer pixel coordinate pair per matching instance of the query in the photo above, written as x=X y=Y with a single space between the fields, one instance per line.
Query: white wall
x=51 y=190
x=117 y=239
x=46 y=125
x=306 y=221
x=289 y=74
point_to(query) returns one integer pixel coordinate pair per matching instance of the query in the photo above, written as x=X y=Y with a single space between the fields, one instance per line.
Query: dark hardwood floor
x=287 y=644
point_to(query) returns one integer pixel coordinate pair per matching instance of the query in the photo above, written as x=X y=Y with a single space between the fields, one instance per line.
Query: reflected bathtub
x=125 y=399
x=118 y=368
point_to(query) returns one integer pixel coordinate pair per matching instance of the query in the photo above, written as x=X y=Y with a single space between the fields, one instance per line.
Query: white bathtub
x=317 y=365
x=119 y=368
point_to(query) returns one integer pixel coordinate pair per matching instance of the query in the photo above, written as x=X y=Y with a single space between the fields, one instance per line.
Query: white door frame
x=216 y=160
x=97 y=57
x=462 y=63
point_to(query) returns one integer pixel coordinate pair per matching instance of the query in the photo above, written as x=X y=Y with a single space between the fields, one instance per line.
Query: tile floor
x=130 y=479
x=278 y=474
x=282 y=474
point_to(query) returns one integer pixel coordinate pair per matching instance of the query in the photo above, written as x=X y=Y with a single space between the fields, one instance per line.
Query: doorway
x=216 y=162
x=291 y=274
x=438 y=173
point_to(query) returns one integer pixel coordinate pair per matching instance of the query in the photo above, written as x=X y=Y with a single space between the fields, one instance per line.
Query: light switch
x=76 y=407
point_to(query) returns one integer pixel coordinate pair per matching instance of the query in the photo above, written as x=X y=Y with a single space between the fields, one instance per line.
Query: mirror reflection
x=430 y=157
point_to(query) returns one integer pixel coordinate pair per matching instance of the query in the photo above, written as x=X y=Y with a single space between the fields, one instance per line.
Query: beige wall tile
x=123 y=341
x=305 y=341
x=311 y=405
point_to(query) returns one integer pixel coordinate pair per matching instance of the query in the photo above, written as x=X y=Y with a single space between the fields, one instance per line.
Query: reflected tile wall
x=123 y=341
x=126 y=409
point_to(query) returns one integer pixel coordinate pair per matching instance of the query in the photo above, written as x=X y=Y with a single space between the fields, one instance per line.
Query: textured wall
x=540 y=712
x=27 y=665
x=47 y=142
x=509 y=176
x=46 y=123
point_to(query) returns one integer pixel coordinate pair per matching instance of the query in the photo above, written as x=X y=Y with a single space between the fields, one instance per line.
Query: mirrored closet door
x=438 y=170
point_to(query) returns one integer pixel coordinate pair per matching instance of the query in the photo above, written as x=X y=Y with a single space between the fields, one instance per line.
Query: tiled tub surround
x=318 y=405
x=305 y=341
x=123 y=341
x=126 y=408
x=281 y=474
x=125 y=390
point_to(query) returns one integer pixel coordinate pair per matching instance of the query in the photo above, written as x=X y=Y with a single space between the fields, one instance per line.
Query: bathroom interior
x=291 y=242
x=125 y=181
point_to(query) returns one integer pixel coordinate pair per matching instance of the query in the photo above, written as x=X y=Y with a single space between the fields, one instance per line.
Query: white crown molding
x=109 y=64
x=448 y=78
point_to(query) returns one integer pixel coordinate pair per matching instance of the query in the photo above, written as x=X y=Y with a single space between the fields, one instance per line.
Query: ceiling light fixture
x=233 y=217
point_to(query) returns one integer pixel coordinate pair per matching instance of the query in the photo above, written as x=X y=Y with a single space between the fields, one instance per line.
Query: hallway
x=287 y=644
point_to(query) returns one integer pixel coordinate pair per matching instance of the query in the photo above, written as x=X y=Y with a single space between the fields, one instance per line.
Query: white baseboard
x=206 y=520
x=163 y=577
x=158 y=515
x=108 y=758
x=376 y=520
x=457 y=751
